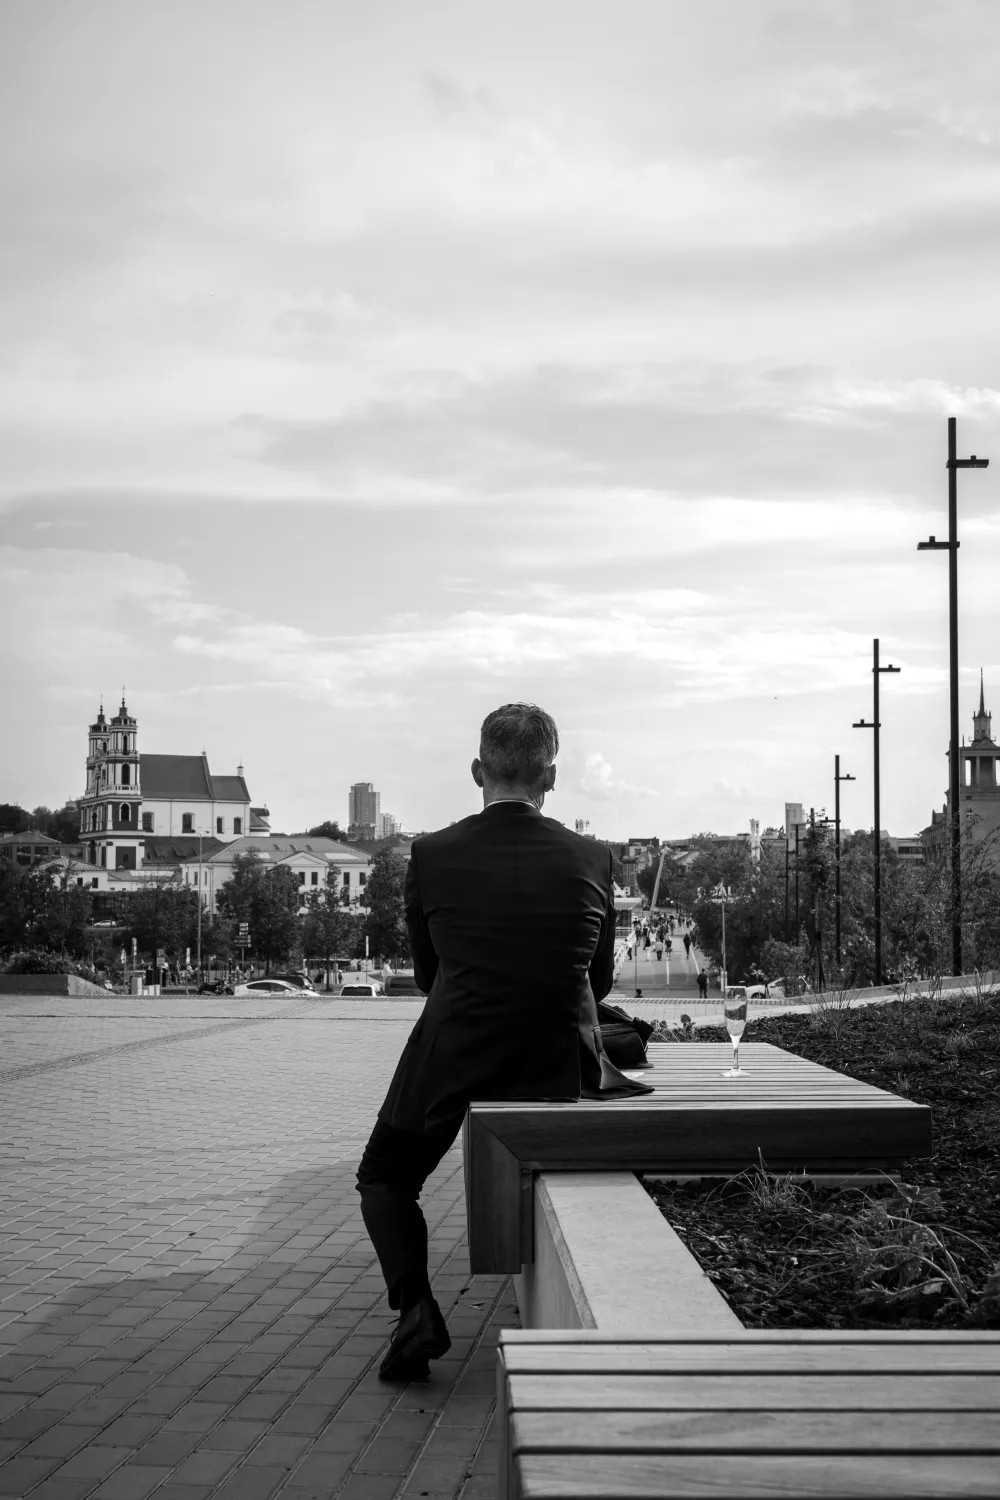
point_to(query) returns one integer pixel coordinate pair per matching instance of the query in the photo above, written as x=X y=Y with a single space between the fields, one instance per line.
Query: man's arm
x=425 y=960
x=602 y=965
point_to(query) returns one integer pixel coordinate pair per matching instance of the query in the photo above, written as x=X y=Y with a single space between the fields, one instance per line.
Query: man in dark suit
x=512 y=926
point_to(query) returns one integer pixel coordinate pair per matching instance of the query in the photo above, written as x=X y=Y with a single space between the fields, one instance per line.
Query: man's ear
x=549 y=779
x=477 y=771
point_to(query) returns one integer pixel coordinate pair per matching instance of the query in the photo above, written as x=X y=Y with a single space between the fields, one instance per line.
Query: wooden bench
x=763 y=1414
x=795 y=1114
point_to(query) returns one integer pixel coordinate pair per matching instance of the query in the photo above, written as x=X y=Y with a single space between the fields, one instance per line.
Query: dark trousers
x=393 y=1170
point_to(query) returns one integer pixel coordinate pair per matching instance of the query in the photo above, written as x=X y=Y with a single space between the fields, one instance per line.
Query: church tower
x=110 y=806
x=980 y=792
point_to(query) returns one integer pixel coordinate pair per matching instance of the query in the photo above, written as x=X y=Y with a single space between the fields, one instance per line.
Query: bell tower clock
x=110 y=806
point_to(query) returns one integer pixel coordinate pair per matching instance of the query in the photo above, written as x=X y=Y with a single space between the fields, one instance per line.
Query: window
x=347 y=877
x=147 y=822
x=94 y=882
x=219 y=825
x=126 y=776
x=124 y=744
x=79 y=880
x=187 y=823
x=194 y=877
x=237 y=825
x=362 y=878
x=124 y=814
x=302 y=877
x=315 y=877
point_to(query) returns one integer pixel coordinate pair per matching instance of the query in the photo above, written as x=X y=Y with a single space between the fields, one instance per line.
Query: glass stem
x=736 y=1054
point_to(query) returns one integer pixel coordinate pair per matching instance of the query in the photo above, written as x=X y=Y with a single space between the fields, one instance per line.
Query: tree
x=161 y=914
x=330 y=929
x=329 y=830
x=43 y=911
x=13 y=819
x=267 y=900
x=385 y=919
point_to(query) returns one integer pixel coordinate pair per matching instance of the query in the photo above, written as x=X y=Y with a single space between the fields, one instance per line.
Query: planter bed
x=921 y=1253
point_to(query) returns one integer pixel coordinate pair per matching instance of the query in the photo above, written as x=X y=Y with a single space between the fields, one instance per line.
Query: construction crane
x=656 y=883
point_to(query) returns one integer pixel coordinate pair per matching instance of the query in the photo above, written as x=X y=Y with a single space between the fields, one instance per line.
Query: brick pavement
x=190 y=1305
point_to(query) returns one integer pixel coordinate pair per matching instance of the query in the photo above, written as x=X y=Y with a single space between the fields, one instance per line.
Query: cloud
x=726 y=791
x=692 y=427
x=598 y=780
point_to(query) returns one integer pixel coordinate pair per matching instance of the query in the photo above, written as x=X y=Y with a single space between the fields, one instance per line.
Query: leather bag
x=599 y=1078
x=624 y=1036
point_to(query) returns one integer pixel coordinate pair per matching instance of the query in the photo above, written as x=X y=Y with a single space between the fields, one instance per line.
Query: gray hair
x=517 y=744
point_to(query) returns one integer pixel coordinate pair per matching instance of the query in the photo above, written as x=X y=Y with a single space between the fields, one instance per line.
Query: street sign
x=245 y=931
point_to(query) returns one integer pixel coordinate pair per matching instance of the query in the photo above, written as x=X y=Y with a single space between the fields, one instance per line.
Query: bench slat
x=852 y=1477
x=759 y=1431
x=811 y=1392
x=752 y=1358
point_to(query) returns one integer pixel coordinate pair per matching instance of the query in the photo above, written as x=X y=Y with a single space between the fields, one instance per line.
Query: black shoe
x=421 y=1335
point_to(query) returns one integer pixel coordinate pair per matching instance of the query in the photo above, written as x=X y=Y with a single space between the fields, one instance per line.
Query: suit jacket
x=512 y=925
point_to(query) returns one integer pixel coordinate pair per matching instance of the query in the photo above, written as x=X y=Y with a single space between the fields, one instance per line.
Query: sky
x=370 y=365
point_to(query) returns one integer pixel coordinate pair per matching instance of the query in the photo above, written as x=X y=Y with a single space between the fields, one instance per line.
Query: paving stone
x=191 y=1280
x=132 y=1482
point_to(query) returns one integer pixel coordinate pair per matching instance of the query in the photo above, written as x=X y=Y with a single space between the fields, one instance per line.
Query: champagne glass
x=735 y=1013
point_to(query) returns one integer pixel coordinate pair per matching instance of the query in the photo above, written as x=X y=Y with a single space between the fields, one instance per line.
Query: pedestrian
x=687 y=945
x=669 y=946
x=703 y=985
x=659 y=950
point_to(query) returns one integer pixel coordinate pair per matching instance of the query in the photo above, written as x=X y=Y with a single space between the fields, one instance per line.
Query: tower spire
x=982 y=703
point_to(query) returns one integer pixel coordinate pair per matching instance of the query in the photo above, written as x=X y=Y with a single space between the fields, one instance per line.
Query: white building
x=181 y=795
x=129 y=796
x=309 y=859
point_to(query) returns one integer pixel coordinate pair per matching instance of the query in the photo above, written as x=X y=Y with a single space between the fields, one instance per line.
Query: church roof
x=230 y=789
x=274 y=848
x=187 y=777
x=169 y=776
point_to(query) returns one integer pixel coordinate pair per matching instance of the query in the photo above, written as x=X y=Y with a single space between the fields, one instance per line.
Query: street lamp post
x=816 y=912
x=720 y=895
x=877 y=836
x=954 y=791
x=837 y=779
x=201 y=835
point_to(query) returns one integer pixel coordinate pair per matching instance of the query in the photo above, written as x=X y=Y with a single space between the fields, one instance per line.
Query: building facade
x=131 y=797
x=29 y=848
x=979 y=790
x=309 y=858
x=364 y=804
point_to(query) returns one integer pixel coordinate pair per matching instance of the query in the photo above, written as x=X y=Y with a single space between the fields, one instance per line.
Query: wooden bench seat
x=796 y=1114
x=761 y=1414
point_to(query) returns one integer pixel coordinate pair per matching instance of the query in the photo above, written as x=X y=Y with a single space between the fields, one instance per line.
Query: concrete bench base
x=605 y=1257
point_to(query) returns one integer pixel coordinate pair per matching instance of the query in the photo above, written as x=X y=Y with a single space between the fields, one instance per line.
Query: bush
x=38 y=961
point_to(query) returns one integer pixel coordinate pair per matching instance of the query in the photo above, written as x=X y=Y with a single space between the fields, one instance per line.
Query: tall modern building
x=364 y=806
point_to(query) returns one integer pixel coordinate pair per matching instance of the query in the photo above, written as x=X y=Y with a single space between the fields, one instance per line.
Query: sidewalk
x=190 y=1305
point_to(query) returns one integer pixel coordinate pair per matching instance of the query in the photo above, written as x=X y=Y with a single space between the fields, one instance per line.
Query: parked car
x=773 y=989
x=300 y=981
x=215 y=987
x=402 y=983
x=366 y=988
x=269 y=986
